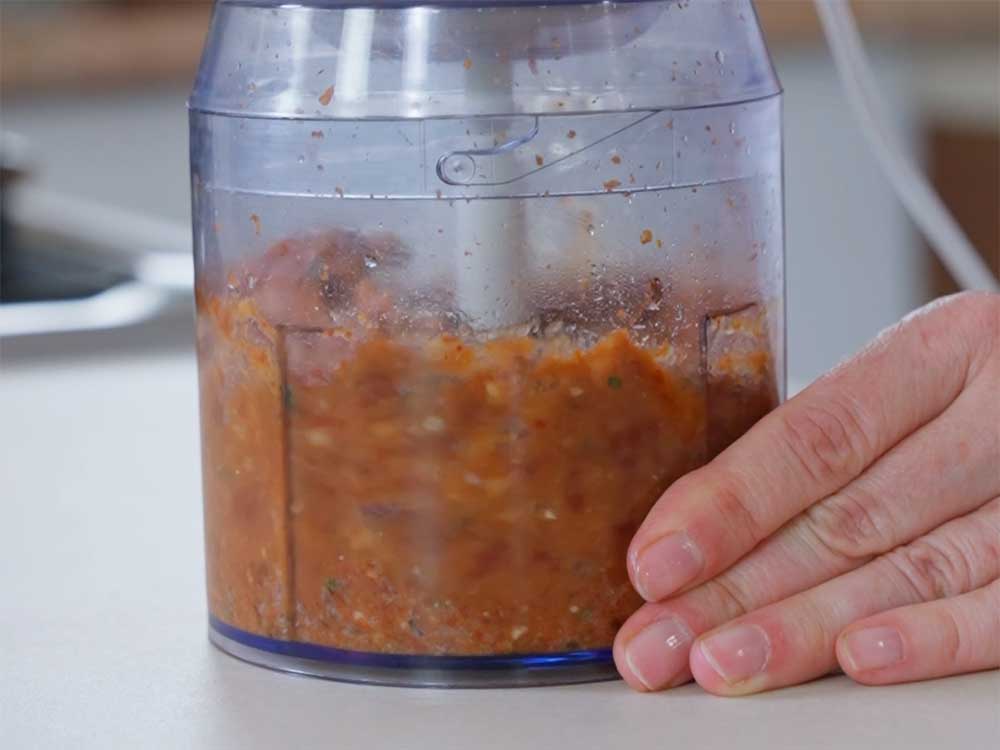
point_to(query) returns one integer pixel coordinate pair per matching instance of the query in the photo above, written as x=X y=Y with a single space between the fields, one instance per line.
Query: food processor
x=475 y=281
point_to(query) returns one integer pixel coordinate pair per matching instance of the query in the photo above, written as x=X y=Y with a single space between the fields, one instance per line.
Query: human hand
x=858 y=524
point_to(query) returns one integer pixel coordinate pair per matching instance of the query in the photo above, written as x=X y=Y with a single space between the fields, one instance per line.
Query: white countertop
x=102 y=617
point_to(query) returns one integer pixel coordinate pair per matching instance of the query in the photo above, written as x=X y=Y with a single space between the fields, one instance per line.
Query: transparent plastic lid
x=325 y=59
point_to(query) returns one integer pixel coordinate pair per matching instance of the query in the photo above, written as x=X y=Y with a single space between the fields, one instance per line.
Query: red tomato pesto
x=387 y=483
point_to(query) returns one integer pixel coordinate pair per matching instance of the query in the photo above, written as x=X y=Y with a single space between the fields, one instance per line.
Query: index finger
x=803 y=451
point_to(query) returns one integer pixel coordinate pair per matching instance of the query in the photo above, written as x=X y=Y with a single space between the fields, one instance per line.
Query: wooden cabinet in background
x=964 y=164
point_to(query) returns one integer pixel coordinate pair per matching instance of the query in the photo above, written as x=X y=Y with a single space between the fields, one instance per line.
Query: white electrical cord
x=914 y=191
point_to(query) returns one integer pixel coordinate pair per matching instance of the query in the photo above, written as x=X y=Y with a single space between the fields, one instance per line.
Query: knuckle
x=852 y=524
x=729 y=597
x=827 y=439
x=976 y=316
x=984 y=325
x=734 y=507
x=961 y=304
x=993 y=599
x=991 y=537
x=822 y=628
x=986 y=303
x=933 y=569
x=950 y=635
x=808 y=622
x=969 y=320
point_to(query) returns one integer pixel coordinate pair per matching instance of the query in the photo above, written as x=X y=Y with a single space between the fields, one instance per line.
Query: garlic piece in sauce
x=433 y=424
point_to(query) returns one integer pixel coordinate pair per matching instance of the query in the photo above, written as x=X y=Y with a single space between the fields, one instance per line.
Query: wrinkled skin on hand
x=855 y=527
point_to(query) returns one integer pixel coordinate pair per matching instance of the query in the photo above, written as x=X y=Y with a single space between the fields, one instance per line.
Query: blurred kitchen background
x=94 y=161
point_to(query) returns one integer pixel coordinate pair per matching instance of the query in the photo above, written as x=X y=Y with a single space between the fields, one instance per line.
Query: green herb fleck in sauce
x=333 y=585
x=614 y=382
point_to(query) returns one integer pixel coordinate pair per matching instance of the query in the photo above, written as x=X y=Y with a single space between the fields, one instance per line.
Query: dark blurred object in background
x=964 y=163
x=34 y=266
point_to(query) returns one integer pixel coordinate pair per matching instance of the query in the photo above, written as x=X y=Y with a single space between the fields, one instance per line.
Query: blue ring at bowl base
x=418 y=670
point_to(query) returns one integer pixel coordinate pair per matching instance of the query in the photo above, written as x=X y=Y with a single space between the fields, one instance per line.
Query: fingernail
x=737 y=653
x=874 y=648
x=666 y=565
x=659 y=652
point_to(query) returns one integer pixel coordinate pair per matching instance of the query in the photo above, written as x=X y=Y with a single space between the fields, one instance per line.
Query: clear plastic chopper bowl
x=475 y=283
